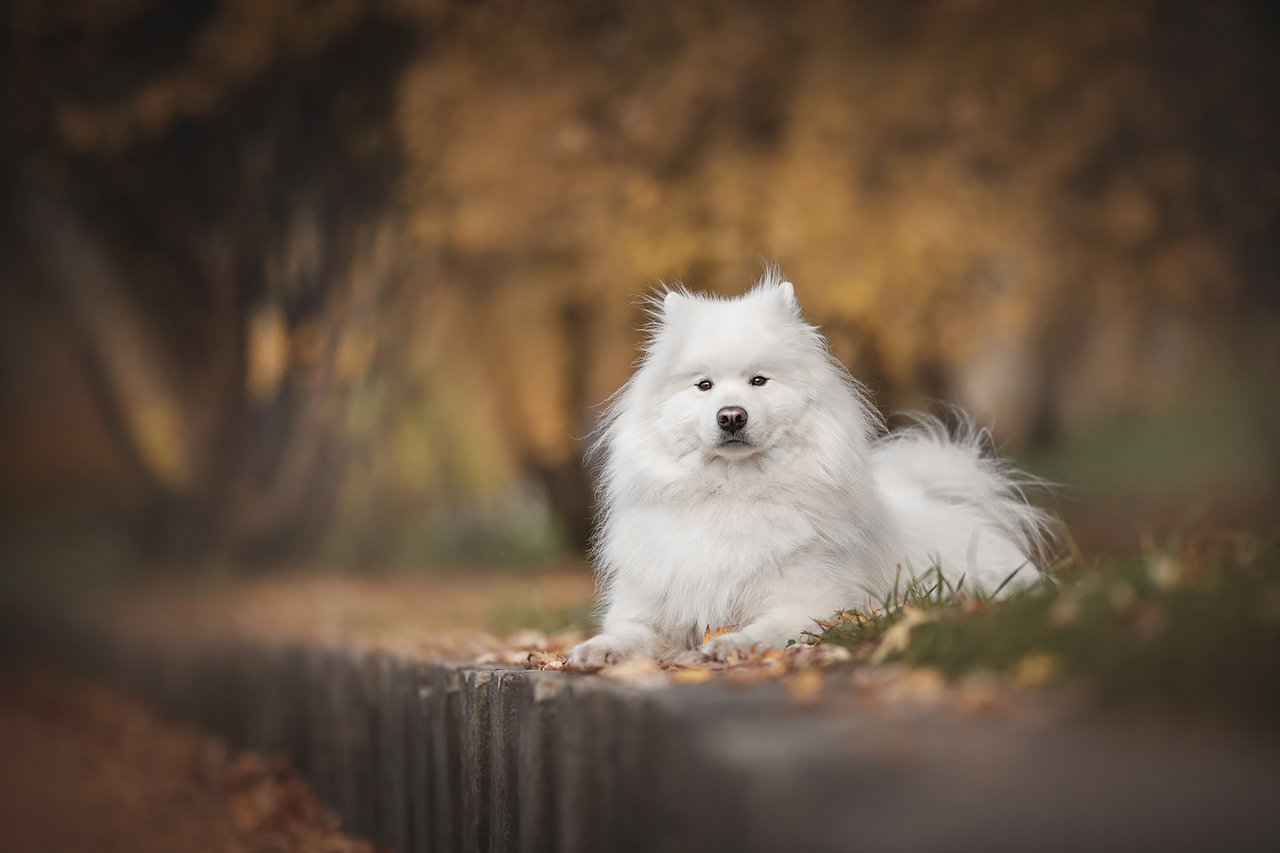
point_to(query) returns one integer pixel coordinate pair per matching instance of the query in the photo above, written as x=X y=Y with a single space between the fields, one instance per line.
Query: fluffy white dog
x=746 y=482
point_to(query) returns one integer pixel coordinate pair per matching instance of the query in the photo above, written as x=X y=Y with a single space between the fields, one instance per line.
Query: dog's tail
x=957 y=465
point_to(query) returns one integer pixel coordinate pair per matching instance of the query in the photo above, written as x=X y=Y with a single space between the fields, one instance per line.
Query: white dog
x=746 y=482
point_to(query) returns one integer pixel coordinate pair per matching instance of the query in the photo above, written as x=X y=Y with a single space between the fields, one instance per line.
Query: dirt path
x=418 y=613
x=84 y=768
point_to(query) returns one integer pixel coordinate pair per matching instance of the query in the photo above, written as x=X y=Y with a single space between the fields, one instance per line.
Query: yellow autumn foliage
x=1027 y=209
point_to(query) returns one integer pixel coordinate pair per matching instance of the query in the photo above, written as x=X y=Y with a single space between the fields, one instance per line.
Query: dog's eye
x=758 y=380
x=704 y=385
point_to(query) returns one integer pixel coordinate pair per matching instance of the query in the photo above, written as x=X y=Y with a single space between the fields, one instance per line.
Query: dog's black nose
x=731 y=418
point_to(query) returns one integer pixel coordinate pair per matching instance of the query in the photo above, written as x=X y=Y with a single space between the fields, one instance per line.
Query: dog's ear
x=777 y=290
x=787 y=293
x=672 y=301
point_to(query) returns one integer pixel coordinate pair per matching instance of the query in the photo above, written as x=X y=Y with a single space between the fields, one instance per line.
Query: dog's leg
x=620 y=640
x=771 y=631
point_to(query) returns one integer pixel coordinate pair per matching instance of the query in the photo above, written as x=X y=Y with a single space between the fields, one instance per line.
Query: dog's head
x=732 y=378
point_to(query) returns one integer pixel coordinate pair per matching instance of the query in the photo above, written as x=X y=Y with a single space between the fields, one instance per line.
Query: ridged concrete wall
x=424 y=756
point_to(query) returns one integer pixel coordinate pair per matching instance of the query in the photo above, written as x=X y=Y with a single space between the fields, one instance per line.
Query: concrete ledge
x=430 y=757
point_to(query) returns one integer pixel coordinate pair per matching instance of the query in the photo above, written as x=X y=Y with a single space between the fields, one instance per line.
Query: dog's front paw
x=599 y=652
x=733 y=646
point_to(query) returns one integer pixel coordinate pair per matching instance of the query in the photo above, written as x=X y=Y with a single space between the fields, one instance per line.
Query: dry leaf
x=708 y=634
x=544 y=660
x=898 y=636
x=633 y=670
x=1036 y=668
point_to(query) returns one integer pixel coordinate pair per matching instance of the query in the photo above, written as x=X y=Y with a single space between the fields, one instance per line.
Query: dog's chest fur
x=705 y=564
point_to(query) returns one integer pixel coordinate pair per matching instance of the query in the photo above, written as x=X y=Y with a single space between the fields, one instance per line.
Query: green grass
x=1193 y=624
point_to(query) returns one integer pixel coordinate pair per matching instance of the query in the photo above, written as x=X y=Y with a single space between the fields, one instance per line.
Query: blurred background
x=342 y=282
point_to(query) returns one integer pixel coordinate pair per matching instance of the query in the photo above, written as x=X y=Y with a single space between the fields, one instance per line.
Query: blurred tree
x=363 y=269
x=951 y=184
x=198 y=190
x=1047 y=213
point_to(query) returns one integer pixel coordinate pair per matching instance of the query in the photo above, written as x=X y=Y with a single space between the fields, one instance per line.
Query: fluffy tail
x=958 y=467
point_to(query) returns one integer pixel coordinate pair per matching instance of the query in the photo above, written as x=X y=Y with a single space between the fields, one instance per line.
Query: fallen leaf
x=898 y=637
x=708 y=634
x=1036 y=668
x=633 y=670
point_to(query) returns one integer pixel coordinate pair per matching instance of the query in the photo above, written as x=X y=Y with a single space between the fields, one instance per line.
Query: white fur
x=811 y=513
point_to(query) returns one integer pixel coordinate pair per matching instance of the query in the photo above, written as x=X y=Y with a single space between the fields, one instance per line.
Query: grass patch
x=1196 y=624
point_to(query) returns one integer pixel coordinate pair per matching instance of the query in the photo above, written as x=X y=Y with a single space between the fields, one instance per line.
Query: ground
x=424 y=613
x=1177 y=632
x=86 y=769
